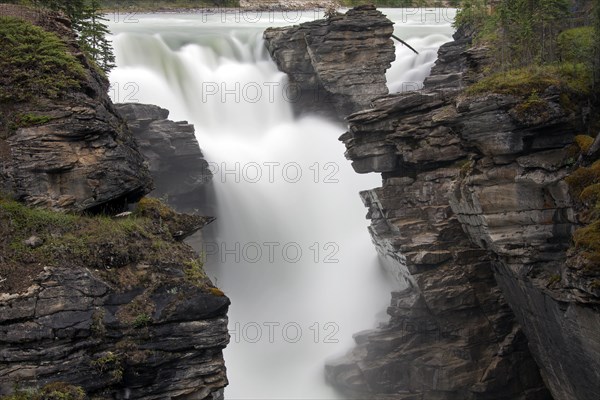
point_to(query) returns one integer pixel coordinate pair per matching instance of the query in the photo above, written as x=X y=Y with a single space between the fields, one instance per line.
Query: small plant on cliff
x=52 y=391
x=29 y=119
x=110 y=363
x=331 y=10
x=142 y=321
x=29 y=60
x=194 y=272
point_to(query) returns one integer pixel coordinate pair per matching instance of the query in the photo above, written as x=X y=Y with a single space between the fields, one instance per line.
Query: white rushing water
x=290 y=245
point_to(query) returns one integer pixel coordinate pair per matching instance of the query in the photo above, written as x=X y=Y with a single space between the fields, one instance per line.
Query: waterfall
x=290 y=245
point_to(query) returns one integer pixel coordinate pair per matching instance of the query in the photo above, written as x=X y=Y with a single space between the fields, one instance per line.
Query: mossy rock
x=106 y=244
x=587 y=240
x=584 y=142
x=525 y=82
x=583 y=177
x=34 y=63
x=585 y=186
x=51 y=391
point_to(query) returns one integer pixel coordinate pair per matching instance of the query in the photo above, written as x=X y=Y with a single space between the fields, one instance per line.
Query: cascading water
x=290 y=245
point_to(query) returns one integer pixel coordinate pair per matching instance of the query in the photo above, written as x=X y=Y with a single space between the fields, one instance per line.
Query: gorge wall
x=476 y=214
x=181 y=174
x=117 y=305
x=475 y=219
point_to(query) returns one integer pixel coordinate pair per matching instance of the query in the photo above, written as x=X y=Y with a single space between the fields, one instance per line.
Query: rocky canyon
x=474 y=220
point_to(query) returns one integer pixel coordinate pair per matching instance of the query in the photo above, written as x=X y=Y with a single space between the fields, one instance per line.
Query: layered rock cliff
x=142 y=331
x=71 y=151
x=474 y=215
x=336 y=66
x=180 y=172
x=474 y=219
x=117 y=305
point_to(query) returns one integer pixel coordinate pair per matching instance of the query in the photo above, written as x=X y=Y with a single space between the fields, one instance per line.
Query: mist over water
x=290 y=245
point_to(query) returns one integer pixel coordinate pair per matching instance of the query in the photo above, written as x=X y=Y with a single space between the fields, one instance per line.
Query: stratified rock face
x=473 y=216
x=84 y=156
x=335 y=66
x=180 y=172
x=164 y=341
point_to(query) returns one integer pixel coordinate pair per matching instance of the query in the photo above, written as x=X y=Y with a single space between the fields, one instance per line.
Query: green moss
x=533 y=105
x=152 y=207
x=584 y=142
x=28 y=119
x=583 y=177
x=585 y=186
x=52 y=391
x=526 y=81
x=103 y=243
x=142 y=320
x=587 y=239
x=194 y=273
x=34 y=63
x=216 y=291
x=590 y=195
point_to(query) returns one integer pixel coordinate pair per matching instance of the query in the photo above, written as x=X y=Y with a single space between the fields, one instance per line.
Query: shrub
x=30 y=58
x=142 y=320
x=577 y=44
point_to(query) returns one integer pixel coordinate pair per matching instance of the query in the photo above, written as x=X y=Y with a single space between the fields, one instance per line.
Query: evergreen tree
x=93 y=34
x=89 y=25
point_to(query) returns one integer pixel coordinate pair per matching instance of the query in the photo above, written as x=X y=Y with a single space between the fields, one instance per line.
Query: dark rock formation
x=180 y=172
x=156 y=342
x=78 y=154
x=336 y=66
x=119 y=306
x=473 y=216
